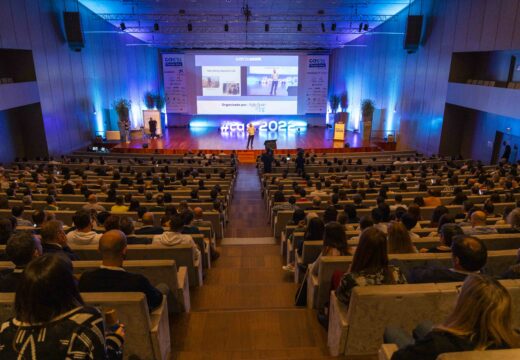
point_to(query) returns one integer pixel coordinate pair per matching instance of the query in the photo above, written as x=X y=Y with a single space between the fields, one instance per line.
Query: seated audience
x=51 y=204
x=513 y=219
x=188 y=228
x=148 y=227
x=120 y=206
x=410 y=222
x=481 y=320
x=399 y=240
x=21 y=248
x=159 y=206
x=313 y=232
x=6 y=230
x=27 y=202
x=54 y=239
x=398 y=202
x=113 y=222
x=334 y=244
x=17 y=212
x=126 y=225
x=438 y=212
x=369 y=266
x=433 y=199
x=479 y=225
x=469 y=255
x=48 y=302
x=175 y=237
x=92 y=204
x=112 y=277
x=83 y=235
x=446 y=234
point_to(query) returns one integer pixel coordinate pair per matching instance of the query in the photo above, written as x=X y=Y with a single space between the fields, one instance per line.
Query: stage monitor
x=247 y=84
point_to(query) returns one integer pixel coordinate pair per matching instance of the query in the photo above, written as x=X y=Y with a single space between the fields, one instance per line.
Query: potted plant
x=149 y=100
x=367 y=109
x=344 y=101
x=367 y=112
x=159 y=101
x=122 y=107
x=334 y=103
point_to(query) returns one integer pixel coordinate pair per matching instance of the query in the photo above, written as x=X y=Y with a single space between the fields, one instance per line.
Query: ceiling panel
x=187 y=24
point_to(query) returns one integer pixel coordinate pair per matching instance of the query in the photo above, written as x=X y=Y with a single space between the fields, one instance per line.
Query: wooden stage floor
x=211 y=139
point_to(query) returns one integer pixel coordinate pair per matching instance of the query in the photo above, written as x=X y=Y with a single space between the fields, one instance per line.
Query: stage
x=181 y=140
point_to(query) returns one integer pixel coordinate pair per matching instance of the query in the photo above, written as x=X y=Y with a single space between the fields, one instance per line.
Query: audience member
x=83 y=235
x=446 y=234
x=481 y=320
x=21 y=248
x=149 y=227
x=469 y=255
x=54 y=239
x=17 y=212
x=399 y=240
x=48 y=302
x=175 y=237
x=479 y=225
x=126 y=225
x=92 y=204
x=120 y=206
x=6 y=230
x=112 y=277
x=334 y=244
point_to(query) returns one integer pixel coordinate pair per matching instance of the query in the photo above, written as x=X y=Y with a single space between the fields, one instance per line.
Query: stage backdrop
x=317 y=83
x=245 y=83
x=175 y=83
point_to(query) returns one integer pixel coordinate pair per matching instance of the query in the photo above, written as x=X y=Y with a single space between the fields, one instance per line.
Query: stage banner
x=175 y=90
x=317 y=83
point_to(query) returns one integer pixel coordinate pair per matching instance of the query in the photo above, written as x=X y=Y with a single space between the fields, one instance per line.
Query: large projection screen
x=256 y=83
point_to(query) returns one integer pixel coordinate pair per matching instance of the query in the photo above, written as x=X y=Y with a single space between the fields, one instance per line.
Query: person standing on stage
x=267 y=158
x=274 y=82
x=251 y=135
x=153 y=128
x=124 y=128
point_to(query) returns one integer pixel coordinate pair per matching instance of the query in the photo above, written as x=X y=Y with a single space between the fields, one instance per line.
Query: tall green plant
x=344 y=101
x=160 y=101
x=122 y=107
x=367 y=108
x=334 y=103
x=149 y=100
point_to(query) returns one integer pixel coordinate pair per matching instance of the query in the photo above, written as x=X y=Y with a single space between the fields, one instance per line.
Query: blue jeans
x=398 y=336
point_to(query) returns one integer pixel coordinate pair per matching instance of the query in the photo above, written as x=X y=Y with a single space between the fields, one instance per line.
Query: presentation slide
x=247 y=84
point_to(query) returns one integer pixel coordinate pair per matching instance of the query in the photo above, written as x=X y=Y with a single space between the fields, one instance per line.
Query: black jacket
x=55 y=249
x=9 y=279
x=432 y=345
x=108 y=280
x=149 y=230
x=434 y=275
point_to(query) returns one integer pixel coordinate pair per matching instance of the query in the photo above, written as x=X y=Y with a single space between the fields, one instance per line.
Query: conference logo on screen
x=317 y=63
x=172 y=61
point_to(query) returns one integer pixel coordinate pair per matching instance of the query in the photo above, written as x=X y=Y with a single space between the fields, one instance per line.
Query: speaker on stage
x=270 y=144
x=412 y=37
x=72 y=22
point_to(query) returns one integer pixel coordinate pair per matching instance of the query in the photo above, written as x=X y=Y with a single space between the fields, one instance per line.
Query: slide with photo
x=271 y=84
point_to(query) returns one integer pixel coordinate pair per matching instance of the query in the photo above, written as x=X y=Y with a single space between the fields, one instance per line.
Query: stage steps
x=247 y=157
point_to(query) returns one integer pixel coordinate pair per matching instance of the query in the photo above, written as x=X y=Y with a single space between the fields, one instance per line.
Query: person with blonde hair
x=481 y=320
x=399 y=240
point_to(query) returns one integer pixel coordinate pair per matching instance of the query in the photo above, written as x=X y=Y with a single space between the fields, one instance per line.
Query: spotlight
x=299 y=27
x=360 y=27
x=122 y=26
x=156 y=27
x=266 y=27
x=322 y=27
x=365 y=27
x=190 y=27
x=226 y=28
x=333 y=27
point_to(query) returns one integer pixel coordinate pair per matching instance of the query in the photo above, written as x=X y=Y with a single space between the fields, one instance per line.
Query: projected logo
x=264 y=125
x=317 y=63
x=172 y=61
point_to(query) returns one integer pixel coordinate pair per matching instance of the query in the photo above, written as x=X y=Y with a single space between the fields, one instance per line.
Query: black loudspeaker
x=73 y=31
x=412 y=37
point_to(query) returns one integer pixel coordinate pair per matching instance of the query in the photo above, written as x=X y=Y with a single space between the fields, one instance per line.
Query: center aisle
x=245 y=309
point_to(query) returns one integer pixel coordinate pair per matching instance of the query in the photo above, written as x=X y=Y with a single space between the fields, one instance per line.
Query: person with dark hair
x=398 y=202
x=469 y=255
x=48 y=302
x=290 y=204
x=377 y=218
x=54 y=239
x=175 y=237
x=51 y=204
x=334 y=244
x=6 y=230
x=370 y=266
x=358 y=201
x=446 y=234
x=112 y=277
x=83 y=235
x=149 y=227
x=330 y=214
x=351 y=212
x=159 y=206
x=120 y=206
x=21 y=248
x=126 y=225
x=112 y=223
x=313 y=232
x=17 y=212
x=38 y=218
x=410 y=222
x=419 y=201
x=188 y=228
x=267 y=159
x=436 y=215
